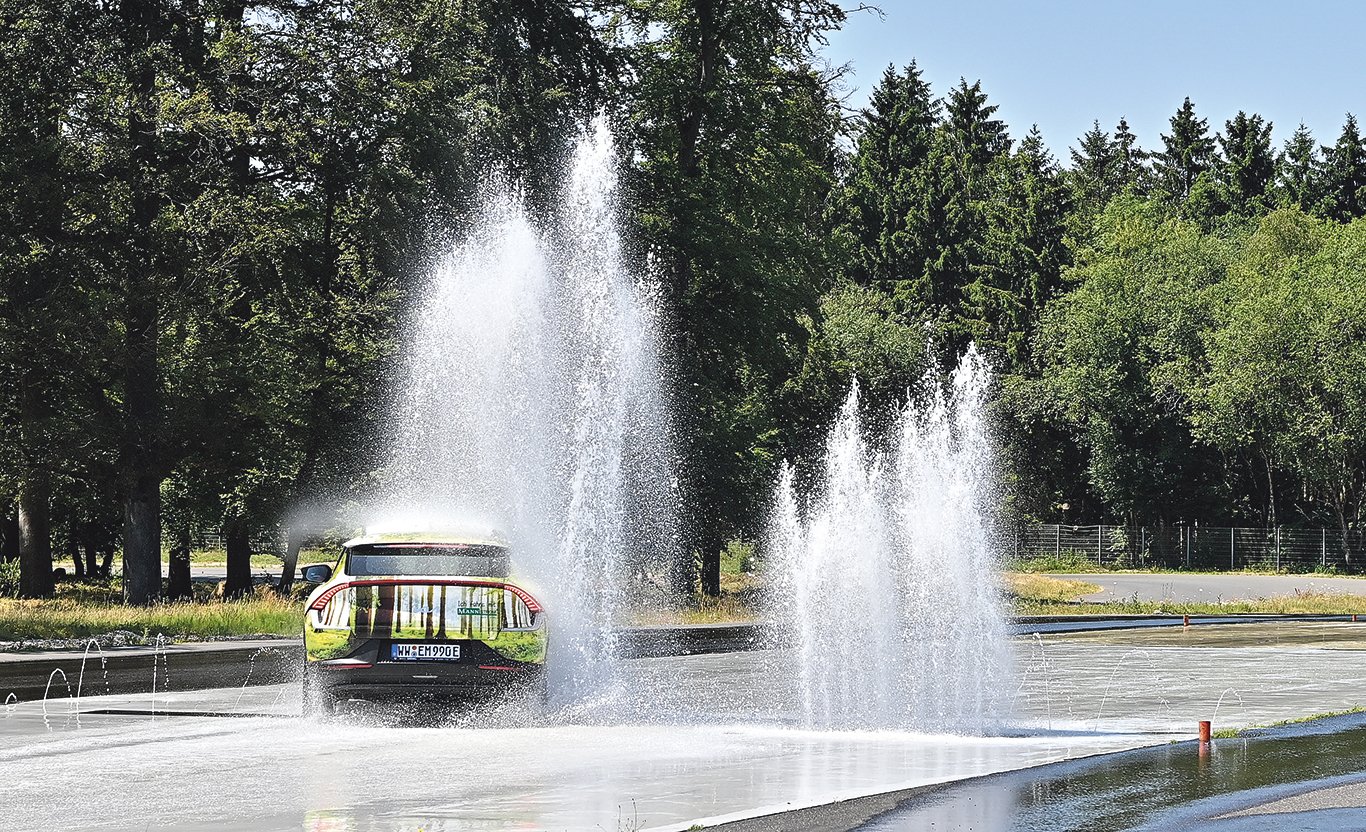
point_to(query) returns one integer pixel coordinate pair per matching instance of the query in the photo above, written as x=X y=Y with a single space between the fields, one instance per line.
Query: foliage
x=1108 y=348
x=218 y=215
x=1188 y=152
x=9 y=579
x=732 y=127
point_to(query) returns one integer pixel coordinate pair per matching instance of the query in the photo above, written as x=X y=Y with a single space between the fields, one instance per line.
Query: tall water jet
x=889 y=578
x=533 y=404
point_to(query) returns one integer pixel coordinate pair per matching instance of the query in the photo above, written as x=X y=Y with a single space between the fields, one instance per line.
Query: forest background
x=216 y=215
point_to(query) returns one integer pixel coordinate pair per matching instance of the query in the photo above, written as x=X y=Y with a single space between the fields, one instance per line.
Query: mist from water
x=533 y=405
x=889 y=583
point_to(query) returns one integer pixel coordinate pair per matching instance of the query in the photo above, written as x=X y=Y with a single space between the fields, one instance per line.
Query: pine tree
x=1249 y=164
x=1022 y=251
x=1344 y=175
x=1299 y=179
x=1095 y=161
x=962 y=177
x=1131 y=161
x=1189 y=152
x=898 y=132
x=970 y=123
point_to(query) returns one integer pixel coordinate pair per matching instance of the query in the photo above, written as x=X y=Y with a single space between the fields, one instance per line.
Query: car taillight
x=320 y=603
x=531 y=603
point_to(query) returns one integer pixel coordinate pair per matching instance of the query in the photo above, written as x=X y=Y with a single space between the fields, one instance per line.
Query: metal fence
x=266 y=543
x=1195 y=546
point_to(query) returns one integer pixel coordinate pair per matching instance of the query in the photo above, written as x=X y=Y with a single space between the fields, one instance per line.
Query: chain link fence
x=1194 y=547
x=267 y=543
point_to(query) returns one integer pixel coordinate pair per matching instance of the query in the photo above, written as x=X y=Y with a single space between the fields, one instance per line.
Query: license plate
x=425 y=652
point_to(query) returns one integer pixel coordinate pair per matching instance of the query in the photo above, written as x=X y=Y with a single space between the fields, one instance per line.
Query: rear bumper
x=369 y=672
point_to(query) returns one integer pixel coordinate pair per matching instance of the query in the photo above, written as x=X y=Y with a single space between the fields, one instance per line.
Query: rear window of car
x=428 y=561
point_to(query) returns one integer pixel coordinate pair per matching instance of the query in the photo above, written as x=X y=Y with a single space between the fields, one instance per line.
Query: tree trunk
x=1270 y=495
x=178 y=584
x=92 y=560
x=237 y=536
x=294 y=542
x=73 y=548
x=1340 y=508
x=9 y=535
x=35 y=539
x=698 y=518
x=141 y=468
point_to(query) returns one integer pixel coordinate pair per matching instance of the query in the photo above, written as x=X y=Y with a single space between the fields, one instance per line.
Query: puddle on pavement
x=1170 y=788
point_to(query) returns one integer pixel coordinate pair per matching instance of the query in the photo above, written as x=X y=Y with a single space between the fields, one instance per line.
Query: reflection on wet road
x=1303 y=779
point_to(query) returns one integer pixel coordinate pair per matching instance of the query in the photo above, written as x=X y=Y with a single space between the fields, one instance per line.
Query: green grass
x=1034 y=593
x=1039 y=588
x=218 y=557
x=1067 y=561
x=727 y=609
x=79 y=611
x=1230 y=733
x=1301 y=603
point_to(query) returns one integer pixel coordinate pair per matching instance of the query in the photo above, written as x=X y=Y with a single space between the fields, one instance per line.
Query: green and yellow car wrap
x=427 y=613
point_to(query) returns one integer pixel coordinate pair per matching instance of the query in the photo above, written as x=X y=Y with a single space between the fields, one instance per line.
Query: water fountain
x=533 y=404
x=891 y=585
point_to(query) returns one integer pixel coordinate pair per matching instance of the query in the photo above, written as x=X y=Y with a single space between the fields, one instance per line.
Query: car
x=420 y=616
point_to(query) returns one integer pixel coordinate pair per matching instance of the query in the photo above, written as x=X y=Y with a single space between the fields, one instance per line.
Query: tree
x=1095 y=162
x=1188 y=151
x=1103 y=166
x=1344 y=175
x=51 y=311
x=970 y=152
x=1110 y=349
x=1284 y=369
x=143 y=29
x=1299 y=180
x=1023 y=253
x=1131 y=161
x=855 y=333
x=881 y=198
x=734 y=132
x=1248 y=165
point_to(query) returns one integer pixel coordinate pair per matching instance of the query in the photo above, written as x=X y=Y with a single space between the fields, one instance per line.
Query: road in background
x=1180 y=587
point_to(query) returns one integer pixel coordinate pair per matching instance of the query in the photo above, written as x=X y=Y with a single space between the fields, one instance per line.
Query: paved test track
x=698 y=739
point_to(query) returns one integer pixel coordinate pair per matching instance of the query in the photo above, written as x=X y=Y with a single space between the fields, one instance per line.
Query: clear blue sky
x=1063 y=63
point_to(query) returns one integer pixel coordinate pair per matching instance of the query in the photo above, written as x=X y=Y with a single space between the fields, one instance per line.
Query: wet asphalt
x=716 y=739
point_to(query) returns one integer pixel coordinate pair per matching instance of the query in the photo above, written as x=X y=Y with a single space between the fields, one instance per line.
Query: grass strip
x=76 y=618
x=1233 y=733
x=1300 y=603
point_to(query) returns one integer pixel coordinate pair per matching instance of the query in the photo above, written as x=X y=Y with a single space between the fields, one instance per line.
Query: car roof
x=434 y=538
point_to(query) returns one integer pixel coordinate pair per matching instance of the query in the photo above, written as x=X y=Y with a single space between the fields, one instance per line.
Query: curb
x=199 y=665
x=124 y=670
